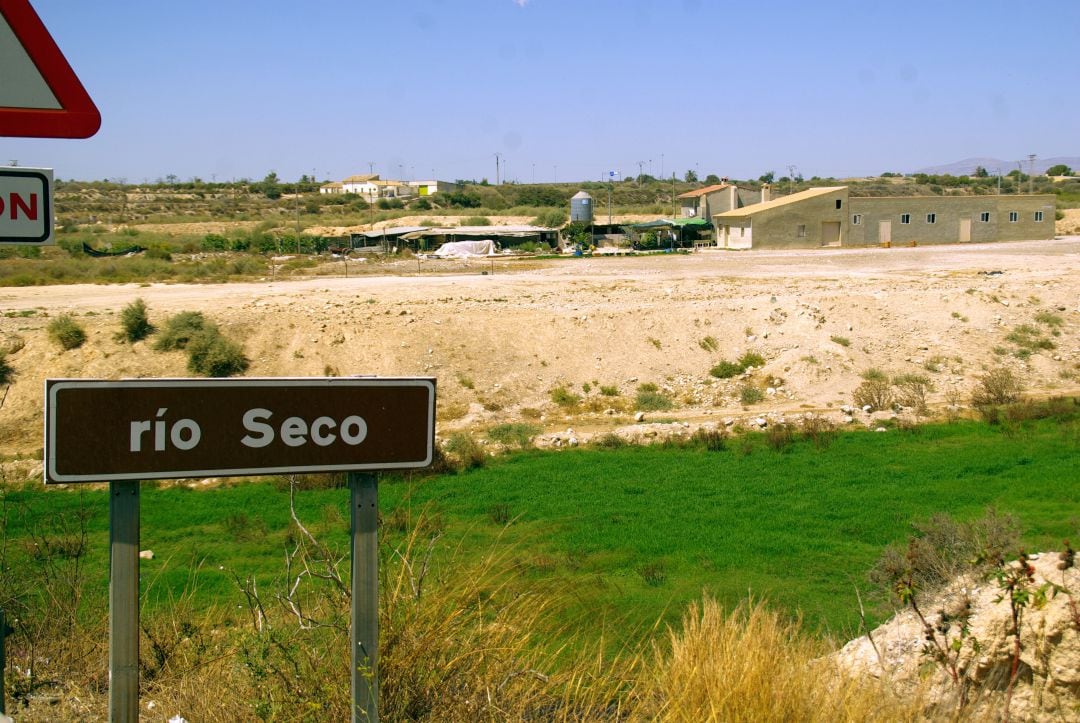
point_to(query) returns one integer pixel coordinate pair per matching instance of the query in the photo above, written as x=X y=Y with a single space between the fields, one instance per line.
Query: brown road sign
x=100 y=430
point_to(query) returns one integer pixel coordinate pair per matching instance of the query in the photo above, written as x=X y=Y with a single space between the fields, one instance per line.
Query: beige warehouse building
x=828 y=217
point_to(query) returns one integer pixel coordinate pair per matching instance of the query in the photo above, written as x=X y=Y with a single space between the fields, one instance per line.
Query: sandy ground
x=500 y=337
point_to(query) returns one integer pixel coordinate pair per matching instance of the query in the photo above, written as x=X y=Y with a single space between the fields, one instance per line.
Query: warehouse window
x=856 y=219
x=1013 y=217
x=1038 y=215
x=931 y=218
x=984 y=217
x=800 y=230
x=905 y=218
x=838 y=202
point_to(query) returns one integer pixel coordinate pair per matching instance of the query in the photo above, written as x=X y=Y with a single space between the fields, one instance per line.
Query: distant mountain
x=967 y=166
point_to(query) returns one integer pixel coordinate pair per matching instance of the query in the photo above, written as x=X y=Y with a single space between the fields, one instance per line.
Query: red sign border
x=46 y=185
x=52 y=386
x=77 y=116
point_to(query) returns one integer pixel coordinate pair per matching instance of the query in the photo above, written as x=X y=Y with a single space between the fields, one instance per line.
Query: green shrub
x=873 y=374
x=514 y=434
x=1029 y=338
x=468 y=452
x=651 y=399
x=1049 y=318
x=476 y=221
x=564 y=397
x=552 y=218
x=66 y=332
x=179 y=330
x=749 y=394
x=609 y=391
x=841 y=340
x=610 y=441
x=134 y=324
x=751 y=359
x=709 y=343
x=725 y=370
x=210 y=354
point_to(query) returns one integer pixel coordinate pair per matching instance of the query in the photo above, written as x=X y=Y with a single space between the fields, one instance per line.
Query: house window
x=1013 y=216
x=931 y=218
x=984 y=217
x=905 y=218
x=838 y=202
x=856 y=219
x=1038 y=215
x=800 y=231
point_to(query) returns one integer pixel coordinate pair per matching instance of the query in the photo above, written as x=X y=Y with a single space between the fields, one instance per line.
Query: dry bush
x=780 y=436
x=874 y=393
x=753 y=665
x=912 y=390
x=462 y=639
x=819 y=430
x=941 y=548
x=997 y=386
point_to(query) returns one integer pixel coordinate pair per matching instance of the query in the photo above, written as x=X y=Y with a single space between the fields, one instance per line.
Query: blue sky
x=560 y=88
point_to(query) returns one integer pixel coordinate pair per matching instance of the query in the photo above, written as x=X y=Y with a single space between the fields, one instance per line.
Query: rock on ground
x=1048 y=681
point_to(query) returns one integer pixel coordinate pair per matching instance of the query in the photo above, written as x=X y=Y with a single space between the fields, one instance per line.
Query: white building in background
x=371 y=188
x=430 y=188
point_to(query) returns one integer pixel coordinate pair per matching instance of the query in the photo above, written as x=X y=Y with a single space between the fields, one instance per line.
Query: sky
x=559 y=89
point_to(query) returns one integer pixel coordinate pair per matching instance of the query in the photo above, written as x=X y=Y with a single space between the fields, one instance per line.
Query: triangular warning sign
x=40 y=95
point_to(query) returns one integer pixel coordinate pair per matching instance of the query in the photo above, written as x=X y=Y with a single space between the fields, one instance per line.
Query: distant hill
x=967 y=166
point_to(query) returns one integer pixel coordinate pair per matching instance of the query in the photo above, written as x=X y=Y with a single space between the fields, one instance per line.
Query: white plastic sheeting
x=465 y=249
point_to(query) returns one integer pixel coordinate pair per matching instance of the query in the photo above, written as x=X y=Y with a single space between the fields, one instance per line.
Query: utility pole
x=640 y=164
x=791 y=179
x=1031 y=173
x=371 y=168
x=297 y=204
x=611 y=182
x=496 y=169
x=673 y=194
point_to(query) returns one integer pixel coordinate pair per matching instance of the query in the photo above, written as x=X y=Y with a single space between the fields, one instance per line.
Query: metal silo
x=581 y=208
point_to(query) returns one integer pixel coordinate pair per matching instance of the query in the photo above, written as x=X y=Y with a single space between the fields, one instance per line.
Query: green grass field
x=630 y=534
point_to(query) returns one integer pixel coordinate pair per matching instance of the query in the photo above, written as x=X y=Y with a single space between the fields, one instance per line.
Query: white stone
x=639 y=417
x=146 y=554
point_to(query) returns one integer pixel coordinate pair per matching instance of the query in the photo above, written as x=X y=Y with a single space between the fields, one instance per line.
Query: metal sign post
x=364 y=498
x=124 y=601
x=126 y=431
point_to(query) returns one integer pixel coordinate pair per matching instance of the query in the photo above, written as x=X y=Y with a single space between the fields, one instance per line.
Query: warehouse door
x=884 y=232
x=830 y=233
x=965 y=230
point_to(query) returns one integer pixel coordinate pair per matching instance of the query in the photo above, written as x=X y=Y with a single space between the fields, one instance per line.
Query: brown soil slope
x=500 y=343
